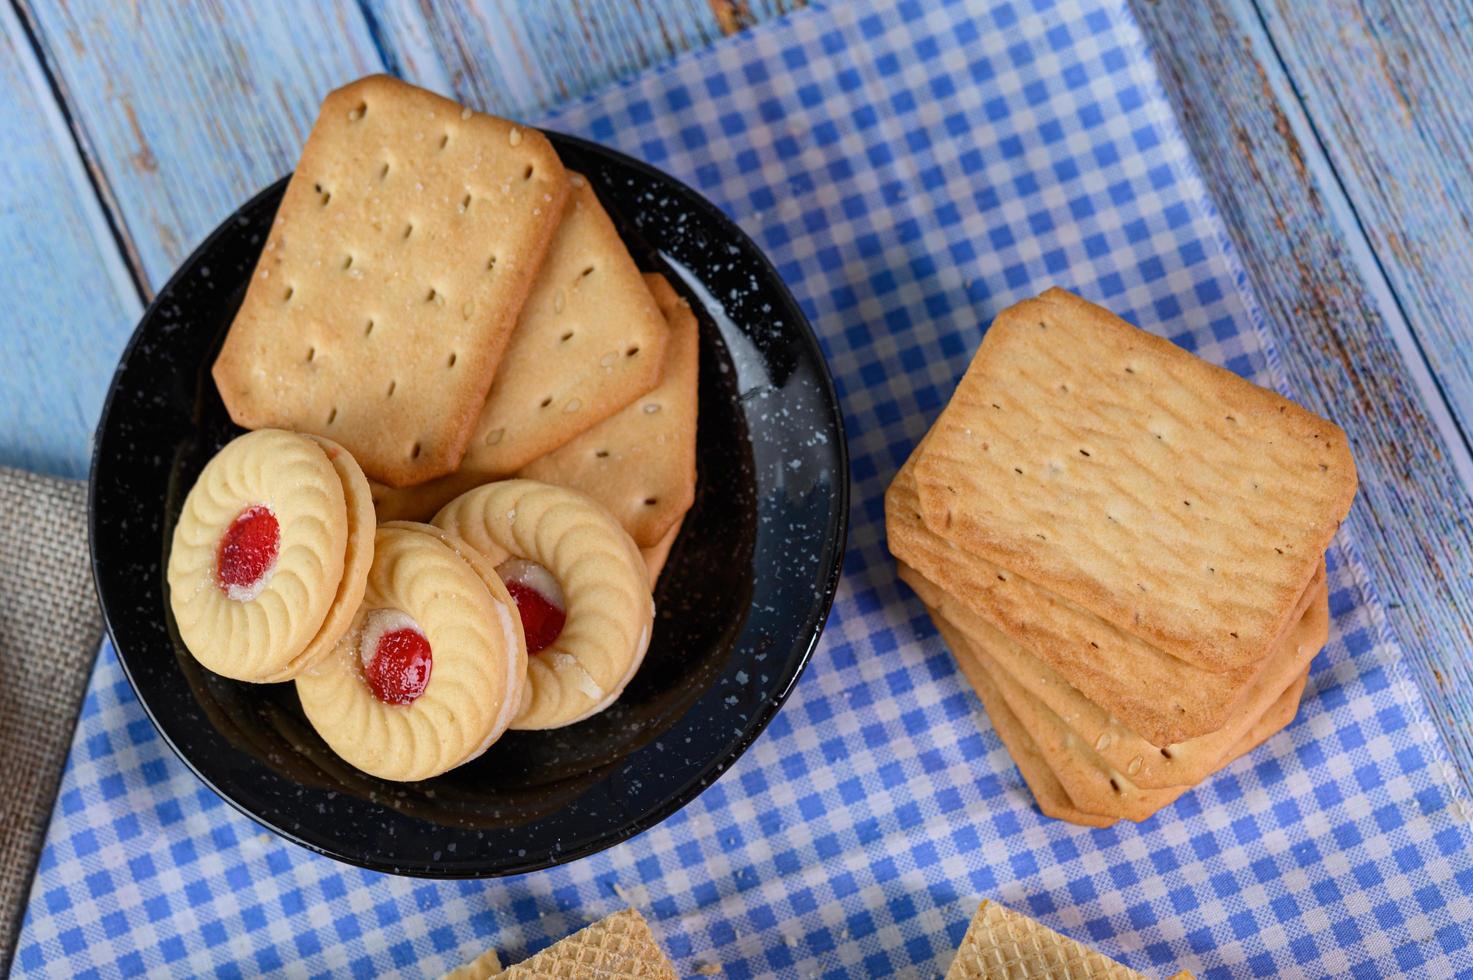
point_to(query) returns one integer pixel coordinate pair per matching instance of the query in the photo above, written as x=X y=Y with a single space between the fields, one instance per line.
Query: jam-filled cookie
x=362 y=522
x=432 y=669
x=580 y=585
x=270 y=554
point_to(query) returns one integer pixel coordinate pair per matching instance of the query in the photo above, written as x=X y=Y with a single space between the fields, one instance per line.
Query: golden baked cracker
x=1093 y=787
x=1165 y=494
x=619 y=947
x=1093 y=784
x=401 y=254
x=1047 y=791
x=1085 y=779
x=1001 y=943
x=1075 y=771
x=589 y=341
x=641 y=462
x=656 y=554
x=423 y=500
x=1164 y=699
x=1147 y=766
x=644 y=452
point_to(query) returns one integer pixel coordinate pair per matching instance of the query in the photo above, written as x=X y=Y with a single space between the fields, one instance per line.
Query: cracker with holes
x=1047 y=791
x=1123 y=546
x=589 y=341
x=1147 y=764
x=403 y=251
x=1165 y=699
x=1034 y=746
x=1083 y=757
x=1164 y=494
x=641 y=463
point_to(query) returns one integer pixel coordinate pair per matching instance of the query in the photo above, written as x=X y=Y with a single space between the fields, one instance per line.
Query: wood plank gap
x=375 y=30
x=101 y=190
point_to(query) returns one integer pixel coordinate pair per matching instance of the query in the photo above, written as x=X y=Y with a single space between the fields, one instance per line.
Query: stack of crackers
x=443 y=298
x=1122 y=545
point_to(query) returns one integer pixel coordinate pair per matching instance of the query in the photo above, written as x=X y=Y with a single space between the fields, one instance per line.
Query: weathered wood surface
x=1389 y=87
x=1352 y=244
x=69 y=304
x=188 y=116
x=126 y=144
x=1281 y=199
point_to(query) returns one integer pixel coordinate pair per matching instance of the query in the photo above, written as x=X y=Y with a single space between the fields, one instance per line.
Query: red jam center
x=248 y=549
x=400 y=668
x=541 y=620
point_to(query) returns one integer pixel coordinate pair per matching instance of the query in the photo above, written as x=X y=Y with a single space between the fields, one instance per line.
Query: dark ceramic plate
x=741 y=603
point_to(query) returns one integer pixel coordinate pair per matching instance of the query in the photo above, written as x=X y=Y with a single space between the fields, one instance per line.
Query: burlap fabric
x=50 y=626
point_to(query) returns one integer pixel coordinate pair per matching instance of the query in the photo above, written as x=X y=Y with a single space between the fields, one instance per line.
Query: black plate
x=741 y=603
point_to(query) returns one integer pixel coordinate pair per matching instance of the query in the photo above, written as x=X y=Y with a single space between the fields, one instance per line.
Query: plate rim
x=832 y=553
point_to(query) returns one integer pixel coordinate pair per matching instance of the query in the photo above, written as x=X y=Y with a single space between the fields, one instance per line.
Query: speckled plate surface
x=740 y=606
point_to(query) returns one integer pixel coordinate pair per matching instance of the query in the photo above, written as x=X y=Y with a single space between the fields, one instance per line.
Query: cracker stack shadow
x=1123 y=546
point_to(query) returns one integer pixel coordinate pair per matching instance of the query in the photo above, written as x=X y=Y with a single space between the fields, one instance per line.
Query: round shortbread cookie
x=518 y=691
x=362 y=520
x=600 y=573
x=258 y=555
x=463 y=669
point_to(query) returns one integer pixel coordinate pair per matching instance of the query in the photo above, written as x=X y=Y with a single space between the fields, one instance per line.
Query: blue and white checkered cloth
x=910 y=169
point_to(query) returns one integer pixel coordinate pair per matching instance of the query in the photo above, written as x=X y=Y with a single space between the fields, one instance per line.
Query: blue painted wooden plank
x=1280 y=198
x=521 y=58
x=189 y=115
x=189 y=109
x=184 y=111
x=70 y=303
x=1389 y=85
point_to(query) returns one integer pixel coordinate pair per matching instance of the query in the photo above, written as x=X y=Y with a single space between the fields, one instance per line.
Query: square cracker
x=403 y=249
x=589 y=341
x=1039 y=760
x=641 y=462
x=631 y=458
x=1162 y=493
x=1145 y=764
x=657 y=554
x=1047 y=791
x=1092 y=783
x=1164 y=699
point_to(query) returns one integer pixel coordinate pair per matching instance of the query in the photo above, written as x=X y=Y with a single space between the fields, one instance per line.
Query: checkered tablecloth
x=910 y=169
